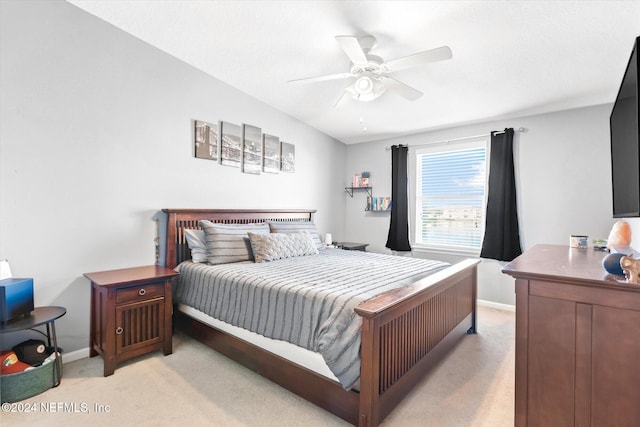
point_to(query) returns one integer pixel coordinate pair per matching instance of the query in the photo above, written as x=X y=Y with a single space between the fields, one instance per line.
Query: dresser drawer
x=139 y=293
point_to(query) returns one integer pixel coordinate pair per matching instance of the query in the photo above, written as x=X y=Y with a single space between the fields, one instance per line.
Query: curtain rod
x=446 y=141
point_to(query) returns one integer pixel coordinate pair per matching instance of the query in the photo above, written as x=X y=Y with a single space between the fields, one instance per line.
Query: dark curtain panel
x=398 y=239
x=501 y=235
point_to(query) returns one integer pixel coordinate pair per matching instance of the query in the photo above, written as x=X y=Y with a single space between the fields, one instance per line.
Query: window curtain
x=501 y=236
x=398 y=239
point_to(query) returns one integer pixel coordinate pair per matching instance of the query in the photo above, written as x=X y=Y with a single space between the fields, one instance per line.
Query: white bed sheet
x=301 y=356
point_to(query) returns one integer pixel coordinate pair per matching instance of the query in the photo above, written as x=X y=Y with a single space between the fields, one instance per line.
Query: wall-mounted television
x=625 y=142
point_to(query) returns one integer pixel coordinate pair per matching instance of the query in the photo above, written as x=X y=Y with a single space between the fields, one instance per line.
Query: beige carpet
x=198 y=387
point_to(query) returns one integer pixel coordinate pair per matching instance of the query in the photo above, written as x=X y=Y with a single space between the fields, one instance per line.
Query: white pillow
x=289 y=227
x=196 y=242
x=270 y=247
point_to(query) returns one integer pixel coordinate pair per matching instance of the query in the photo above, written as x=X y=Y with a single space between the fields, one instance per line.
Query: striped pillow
x=290 y=227
x=228 y=243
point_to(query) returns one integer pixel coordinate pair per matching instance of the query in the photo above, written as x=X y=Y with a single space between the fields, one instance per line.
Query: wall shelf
x=350 y=190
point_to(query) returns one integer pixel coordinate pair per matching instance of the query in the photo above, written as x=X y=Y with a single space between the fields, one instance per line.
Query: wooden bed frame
x=405 y=332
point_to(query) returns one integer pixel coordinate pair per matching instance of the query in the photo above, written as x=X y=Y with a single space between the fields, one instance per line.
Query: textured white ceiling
x=510 y=58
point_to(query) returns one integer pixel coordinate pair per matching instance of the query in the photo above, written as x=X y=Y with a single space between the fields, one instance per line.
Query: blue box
x=16 y=298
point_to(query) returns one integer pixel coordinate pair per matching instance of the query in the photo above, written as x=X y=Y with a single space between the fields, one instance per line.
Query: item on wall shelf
x=231 y=144
x=270 y=154
x=251 y=149
x=378 y=204
x=288 y=157
x=364 y=179
x=206 y=140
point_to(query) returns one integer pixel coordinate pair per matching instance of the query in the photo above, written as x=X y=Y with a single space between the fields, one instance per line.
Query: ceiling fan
x=370 y=73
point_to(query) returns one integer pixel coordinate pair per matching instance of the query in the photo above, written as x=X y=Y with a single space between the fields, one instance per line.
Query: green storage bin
x=22 y=385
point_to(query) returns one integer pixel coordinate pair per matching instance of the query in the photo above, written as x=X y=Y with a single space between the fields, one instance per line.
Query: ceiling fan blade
x=344 y=100
x=322 y=78
x=433 y=55
x=352 y=48
x=402 y=89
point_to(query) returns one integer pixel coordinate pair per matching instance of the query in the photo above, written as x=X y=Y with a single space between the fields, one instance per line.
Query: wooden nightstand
x=131 y=312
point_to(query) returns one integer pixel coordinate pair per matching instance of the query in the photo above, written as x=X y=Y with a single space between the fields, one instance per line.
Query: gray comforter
x=308 y=301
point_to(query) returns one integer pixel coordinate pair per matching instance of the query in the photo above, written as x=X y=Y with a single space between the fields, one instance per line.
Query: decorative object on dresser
x=619 y=236
x=631 y=268
x=131 y=313
x=611 y=263
x=401 y=336
x=577 y=350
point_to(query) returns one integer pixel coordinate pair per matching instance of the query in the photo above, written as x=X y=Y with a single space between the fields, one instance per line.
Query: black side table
x=38 y=317
x=351 y=246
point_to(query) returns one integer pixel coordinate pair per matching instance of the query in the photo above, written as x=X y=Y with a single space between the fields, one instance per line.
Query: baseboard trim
x=497 y=305
x=75 y=355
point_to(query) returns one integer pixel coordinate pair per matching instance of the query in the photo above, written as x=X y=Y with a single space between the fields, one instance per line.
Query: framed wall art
x=270 y=154
x=288 y=157
x=251 y=149
x=231 y=144
x=206 y=140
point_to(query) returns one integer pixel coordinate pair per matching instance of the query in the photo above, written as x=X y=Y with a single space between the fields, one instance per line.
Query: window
x=450 y=198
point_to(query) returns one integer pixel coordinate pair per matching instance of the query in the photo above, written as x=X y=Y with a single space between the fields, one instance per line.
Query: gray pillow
x=270 y=247
x=228 y=243
x=289 y=227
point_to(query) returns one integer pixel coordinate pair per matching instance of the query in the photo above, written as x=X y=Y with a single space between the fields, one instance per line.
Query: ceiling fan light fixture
x=366 y=88
x=364 y=85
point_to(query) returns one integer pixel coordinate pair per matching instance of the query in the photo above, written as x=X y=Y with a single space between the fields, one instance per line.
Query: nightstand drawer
x=139 y=293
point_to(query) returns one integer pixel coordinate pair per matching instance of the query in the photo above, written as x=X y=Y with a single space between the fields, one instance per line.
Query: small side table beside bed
x=131 y=313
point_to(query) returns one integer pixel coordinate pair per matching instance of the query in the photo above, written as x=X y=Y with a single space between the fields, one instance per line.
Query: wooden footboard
x=405 y=332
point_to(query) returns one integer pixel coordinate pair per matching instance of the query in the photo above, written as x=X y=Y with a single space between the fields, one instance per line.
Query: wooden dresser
x=577 y=340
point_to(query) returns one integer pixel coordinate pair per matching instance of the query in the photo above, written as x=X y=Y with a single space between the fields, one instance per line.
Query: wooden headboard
x=178 y=220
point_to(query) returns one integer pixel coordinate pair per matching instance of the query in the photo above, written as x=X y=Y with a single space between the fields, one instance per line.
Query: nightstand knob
x=142 y=292
x=119 y=330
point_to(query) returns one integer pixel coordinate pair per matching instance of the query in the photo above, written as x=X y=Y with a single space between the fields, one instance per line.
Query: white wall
x=96 y=138
x=563 y=181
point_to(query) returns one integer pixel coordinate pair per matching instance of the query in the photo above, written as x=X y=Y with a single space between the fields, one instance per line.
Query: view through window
x=450 y=199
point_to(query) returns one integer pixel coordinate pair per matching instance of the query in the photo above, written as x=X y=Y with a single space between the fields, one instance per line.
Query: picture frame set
x=244 y=147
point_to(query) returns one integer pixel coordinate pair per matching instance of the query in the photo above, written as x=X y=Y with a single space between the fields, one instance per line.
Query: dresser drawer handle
x=119 y=330
x=141 y=292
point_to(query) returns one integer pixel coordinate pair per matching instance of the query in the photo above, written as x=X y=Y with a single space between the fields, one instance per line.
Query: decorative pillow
x=228 y=243
x=196 y=242
x=289 y=227
x=270 y=247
